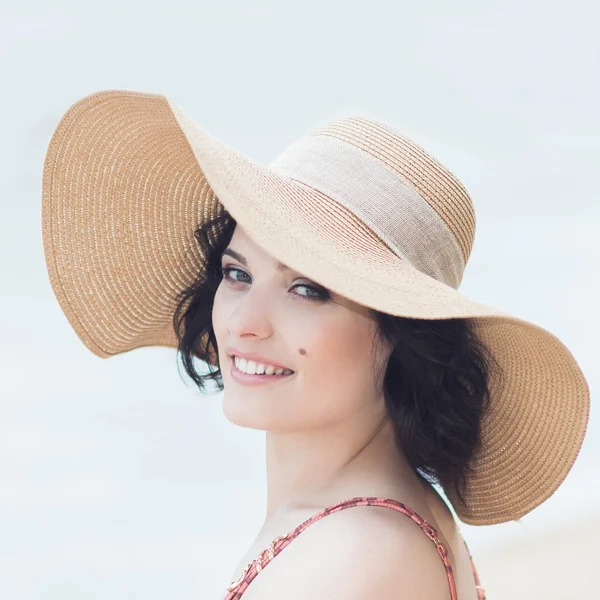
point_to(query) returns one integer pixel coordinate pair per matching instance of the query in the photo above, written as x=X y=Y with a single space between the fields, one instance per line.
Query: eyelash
x=323 y=295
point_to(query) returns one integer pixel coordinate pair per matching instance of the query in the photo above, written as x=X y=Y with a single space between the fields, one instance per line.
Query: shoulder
x=360 y=552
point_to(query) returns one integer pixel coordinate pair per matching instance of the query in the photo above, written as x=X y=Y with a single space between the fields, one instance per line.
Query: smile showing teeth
x=253 y=368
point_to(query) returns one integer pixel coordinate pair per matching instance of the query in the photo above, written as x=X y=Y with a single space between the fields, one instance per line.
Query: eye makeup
x=321 y=293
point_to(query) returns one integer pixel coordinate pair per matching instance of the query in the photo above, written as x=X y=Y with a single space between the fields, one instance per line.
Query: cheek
x=218 y=320
x=338 y=358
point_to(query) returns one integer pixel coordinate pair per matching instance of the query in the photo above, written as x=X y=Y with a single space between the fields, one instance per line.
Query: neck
x=359 y=457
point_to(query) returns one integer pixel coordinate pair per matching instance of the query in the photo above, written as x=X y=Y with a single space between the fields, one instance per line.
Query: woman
x=321 y=292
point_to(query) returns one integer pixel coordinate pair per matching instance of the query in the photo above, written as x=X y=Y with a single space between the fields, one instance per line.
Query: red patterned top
x=237 y=588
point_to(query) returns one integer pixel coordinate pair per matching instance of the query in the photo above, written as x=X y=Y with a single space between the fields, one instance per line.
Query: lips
x=257 y=358
x=249 y=379
x=252 y=368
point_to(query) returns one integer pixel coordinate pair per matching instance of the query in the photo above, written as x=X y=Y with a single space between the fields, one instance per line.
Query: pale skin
x=327 y=439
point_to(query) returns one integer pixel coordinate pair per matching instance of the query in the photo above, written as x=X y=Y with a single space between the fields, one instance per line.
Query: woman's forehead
x=242 y=245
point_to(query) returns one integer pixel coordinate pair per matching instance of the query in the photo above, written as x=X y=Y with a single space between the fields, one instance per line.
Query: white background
x=117 y=479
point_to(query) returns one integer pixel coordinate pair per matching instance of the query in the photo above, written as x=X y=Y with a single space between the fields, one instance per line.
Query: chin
x=259 y=410
x=241 y=409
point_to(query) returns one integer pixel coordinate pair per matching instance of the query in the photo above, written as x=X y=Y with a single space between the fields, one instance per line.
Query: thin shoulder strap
x=237 y=588
x=478 y=586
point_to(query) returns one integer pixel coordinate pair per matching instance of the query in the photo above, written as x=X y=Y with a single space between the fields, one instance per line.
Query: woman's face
x=327 y=340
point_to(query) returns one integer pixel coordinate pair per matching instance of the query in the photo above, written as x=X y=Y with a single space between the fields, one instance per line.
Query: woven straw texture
x=129 y=176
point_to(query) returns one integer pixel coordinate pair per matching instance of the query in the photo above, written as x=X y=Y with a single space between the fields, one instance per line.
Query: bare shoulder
x=355 y=554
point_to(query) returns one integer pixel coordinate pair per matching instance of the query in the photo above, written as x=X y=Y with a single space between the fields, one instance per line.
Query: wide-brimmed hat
x=354 y=205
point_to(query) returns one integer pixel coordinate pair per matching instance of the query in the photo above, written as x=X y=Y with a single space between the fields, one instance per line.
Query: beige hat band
x=394 y=210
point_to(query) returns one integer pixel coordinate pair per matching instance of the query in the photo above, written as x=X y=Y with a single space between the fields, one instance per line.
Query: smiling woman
x=393 y=395
x=426 y=365
x=321 y=291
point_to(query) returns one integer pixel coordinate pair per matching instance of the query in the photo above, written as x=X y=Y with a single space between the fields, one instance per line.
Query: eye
x=315 y=293
x=312 y=293
x=226 y=274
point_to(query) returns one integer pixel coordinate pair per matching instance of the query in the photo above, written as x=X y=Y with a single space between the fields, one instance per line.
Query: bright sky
x=118 y=480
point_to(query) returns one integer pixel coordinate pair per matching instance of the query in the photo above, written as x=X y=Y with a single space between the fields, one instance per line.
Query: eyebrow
x=240 y=258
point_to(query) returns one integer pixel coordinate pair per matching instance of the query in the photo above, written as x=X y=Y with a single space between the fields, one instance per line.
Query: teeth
x=253 y=368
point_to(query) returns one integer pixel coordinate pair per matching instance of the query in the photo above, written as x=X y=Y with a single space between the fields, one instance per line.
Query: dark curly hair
x=435 y=382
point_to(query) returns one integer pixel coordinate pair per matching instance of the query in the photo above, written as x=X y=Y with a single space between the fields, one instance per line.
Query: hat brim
x=129 y=176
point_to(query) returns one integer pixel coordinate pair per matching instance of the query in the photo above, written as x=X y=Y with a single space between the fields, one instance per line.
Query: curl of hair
x=436 y=387
x=435 y=381
x=192 y=318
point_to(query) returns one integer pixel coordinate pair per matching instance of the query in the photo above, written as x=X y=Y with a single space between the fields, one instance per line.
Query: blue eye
x=226 y=273
x=320 y=295
x=315 y=293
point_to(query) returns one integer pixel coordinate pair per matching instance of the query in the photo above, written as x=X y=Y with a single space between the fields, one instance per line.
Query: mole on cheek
x=302 y=351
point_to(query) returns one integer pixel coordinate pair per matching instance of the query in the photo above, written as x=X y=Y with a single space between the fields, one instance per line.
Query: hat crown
x=412 y=202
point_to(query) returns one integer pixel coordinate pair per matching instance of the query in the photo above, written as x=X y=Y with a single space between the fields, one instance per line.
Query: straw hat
x=353 y=205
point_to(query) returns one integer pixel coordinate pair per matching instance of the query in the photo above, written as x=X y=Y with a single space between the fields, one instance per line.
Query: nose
x=251 y=316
